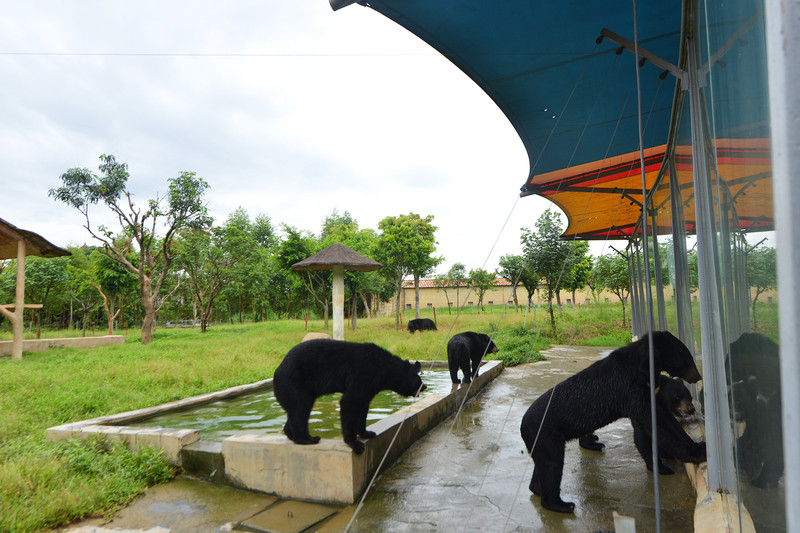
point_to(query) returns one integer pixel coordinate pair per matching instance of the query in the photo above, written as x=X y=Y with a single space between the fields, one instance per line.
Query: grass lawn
x=44 y=485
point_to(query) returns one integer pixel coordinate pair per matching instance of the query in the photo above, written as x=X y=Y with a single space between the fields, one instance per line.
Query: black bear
x=617 y=386
x=421 y=324
x=465 y=349
x=673 y=395
x=358 y=370
x=754 y=369
x=674 y=398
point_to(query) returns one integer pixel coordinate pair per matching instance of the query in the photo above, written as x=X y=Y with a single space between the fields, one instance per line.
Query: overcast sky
x=285 y=108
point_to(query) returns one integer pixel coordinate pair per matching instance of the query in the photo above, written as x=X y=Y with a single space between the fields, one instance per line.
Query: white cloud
x=285 y=108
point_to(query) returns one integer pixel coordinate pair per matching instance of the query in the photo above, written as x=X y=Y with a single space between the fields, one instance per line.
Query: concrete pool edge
x=328 y=472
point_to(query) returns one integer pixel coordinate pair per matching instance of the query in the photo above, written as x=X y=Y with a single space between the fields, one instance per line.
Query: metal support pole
x=783 y=49
x=719 y=437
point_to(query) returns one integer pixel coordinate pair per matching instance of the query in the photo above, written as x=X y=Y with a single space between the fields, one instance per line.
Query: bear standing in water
x=617 y=386
x=359 y=371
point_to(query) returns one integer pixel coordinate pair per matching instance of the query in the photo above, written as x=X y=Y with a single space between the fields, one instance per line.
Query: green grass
x=44 y=485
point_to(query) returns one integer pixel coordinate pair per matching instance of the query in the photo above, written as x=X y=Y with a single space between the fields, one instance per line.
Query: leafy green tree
x=457 y=276
x=611 y=271
x=481 y=281
x=761 y=273
x=511 y=267
x=79 y=285
x=441 y=282
x=113 y=282
x=43 y=278
x=405 y=247
x=182 y=207
x=296 y=246
x=205 y=256
x=548 y=256
x=577 y=276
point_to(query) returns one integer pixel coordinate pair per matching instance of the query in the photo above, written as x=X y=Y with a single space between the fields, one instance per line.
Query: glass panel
x=733 y=54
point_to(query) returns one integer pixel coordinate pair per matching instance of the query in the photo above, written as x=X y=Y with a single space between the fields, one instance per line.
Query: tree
x=183 y=207
x=205 y=257
x=611 y=271
x=44 y=277
x=761 y=273
x=580 y=268
x=481 y=281
x=511 y=267
x=442 y=282
x=548 y=256
x=296 y=246
x=113 y=282
x=458 y=278
x=405 y=247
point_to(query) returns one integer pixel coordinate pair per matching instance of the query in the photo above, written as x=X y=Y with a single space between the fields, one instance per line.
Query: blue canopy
x=571 y=99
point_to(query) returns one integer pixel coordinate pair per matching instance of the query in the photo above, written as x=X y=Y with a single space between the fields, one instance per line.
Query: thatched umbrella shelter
x=337 y=257
x=16 y=244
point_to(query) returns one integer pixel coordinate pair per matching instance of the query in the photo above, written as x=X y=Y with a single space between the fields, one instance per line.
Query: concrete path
x=471 y=473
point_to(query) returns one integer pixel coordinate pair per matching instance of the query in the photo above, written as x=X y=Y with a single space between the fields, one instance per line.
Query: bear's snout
x=692 y=375
x=422 y=388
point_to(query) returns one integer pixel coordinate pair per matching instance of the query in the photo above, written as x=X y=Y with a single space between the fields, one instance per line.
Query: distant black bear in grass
x=467 y=349
x=421 y=324
x=359 y=371
x=612 y=388
x=673 y=395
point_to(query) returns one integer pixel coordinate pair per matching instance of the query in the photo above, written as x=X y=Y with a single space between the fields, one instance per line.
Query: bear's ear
x=417 y=367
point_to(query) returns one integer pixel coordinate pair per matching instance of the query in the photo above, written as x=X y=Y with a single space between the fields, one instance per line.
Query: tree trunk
x=516 y=302
x=416 y=294
x=148 y=303
x=366 y=304
x=397 y=305
x=354 y=312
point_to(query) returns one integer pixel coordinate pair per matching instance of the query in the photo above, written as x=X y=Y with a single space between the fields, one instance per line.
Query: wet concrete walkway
x=470 y=473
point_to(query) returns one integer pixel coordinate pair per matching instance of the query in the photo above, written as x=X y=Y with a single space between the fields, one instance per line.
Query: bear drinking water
x=358 y=370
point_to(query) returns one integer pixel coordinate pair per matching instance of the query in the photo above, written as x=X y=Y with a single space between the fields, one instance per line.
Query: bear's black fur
x=675 y=398
x=358 y=370
x=754 y=368
x=465 y=349
x=612 y=388
x=421 y=324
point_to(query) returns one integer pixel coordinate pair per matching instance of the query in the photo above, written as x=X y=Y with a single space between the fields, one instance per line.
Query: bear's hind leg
x=296 y=427
x=550 y=466
x=453 y=367
x=463 y=363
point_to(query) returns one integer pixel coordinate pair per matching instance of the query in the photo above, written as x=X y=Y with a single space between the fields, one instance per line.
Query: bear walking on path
x=466 y=349
x=358 y=370
x=612 y=388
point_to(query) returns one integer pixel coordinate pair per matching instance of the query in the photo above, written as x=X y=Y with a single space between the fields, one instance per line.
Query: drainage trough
x=327 y=472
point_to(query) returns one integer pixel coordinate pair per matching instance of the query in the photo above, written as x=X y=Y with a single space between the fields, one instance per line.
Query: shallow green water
x=259 y=414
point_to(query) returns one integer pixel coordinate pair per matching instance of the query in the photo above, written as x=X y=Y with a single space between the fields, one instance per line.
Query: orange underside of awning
x=603 y=199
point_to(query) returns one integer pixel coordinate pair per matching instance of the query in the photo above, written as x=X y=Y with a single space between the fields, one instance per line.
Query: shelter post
x=19 y=309
x=338 y=302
